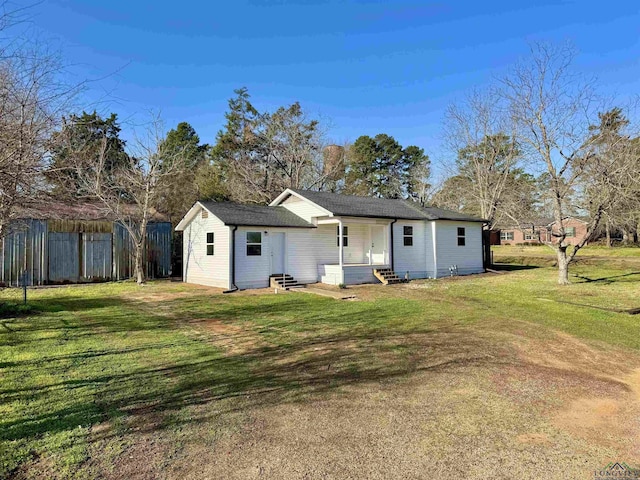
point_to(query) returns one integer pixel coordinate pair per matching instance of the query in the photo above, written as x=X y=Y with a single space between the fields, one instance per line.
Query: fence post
x=24 y=286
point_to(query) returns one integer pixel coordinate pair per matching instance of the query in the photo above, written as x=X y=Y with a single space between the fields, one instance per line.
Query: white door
x=377 y=244
x=276 y=240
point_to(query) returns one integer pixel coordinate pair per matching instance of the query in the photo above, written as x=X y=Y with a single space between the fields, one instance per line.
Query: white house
x=232 y=245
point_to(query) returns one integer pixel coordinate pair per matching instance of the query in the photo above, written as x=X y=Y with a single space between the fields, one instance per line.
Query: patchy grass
x=632 y=251
x=119 y=381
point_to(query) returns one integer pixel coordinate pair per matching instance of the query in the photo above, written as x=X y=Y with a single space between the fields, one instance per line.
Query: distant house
x=308 y=237
x=56 y=242
x=539 y=231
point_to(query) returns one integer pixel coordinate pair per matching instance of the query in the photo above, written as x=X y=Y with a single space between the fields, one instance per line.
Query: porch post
x=340 y=245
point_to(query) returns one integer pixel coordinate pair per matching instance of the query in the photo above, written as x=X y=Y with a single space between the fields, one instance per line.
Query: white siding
x=198 y=267
x=330 y=274
x=308 y=249
x=302 y=208
x=304 y=249
x=355 y=252
x=252 y=271
x=467 y=258
x=416 y=259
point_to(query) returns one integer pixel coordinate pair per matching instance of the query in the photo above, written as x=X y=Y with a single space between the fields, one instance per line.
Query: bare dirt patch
x=591 y=392
x=233 y=338
x=420 y=427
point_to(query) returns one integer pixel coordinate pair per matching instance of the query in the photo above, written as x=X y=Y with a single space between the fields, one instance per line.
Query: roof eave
x=269 y=226
x=189 y=216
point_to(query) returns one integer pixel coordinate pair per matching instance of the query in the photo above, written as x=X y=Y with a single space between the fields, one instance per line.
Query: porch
x=349 y=274
x=360 y=246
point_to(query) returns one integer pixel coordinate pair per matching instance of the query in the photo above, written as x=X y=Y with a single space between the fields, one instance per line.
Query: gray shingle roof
x=255 y=215
x=442 y=214
x=355 y=206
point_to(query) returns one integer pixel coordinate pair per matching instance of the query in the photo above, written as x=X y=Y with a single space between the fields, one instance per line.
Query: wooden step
x=287 y=283
x=387 y=276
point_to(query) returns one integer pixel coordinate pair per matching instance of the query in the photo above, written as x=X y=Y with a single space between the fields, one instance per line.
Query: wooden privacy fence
x=63 y=251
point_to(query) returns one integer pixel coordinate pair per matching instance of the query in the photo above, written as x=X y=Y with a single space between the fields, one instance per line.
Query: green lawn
x=114 y=353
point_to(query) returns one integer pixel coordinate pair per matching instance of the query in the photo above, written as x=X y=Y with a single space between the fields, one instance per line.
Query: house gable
x=193 y=212
x=297 y=203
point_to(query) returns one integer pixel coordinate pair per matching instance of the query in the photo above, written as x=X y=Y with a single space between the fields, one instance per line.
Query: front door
x=377 y=244
x=277 y=252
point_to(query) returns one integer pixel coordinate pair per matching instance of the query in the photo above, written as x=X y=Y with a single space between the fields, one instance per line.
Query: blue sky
x=365 y=67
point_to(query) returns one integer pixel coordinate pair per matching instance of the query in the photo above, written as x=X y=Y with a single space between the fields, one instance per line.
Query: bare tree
x=553 y=107
x=131 y=192
x=483 y=138
x=32 y=99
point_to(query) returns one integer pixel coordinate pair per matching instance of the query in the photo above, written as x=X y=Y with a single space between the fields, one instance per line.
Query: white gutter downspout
x=341 y=250
x=435 y=249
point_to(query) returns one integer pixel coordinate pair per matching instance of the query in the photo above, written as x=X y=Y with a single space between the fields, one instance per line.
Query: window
x=345 y=236
x=530 y=236
x=254 y=244
x=461 y=237
x=210 y=243
x=570 y=231
x=407 y=232
x=506 y=235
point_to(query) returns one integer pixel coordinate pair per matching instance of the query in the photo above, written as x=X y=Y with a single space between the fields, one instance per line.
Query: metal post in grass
x=24 y=286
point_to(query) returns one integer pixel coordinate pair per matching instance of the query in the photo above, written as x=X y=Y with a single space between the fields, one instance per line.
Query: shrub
x=342 y=286
x=11 y=309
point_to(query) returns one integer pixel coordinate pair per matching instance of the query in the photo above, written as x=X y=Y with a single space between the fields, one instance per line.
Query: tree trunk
x=139 y=264
x=625 y=236
x=608 y=232
x=563 y=266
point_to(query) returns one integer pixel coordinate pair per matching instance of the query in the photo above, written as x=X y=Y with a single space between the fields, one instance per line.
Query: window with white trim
x=210 y=243
x=407 y=235
x=570 y=232
x=345 y=236
x=506 y=235
x=530 y=236
x=254 y=244
x=462 y=241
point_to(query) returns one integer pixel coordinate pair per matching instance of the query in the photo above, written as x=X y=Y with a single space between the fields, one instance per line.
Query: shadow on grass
x=610 y=279
x=512 y=267
x=318 y=345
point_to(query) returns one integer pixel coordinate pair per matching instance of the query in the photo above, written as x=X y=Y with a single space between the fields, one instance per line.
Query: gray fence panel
x=64 y=257
x=158 y=250
x=24 y=248
x=96 y=256
x=122 y=253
